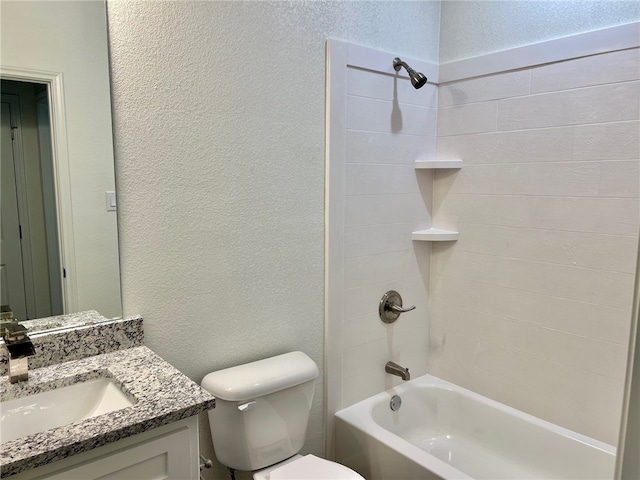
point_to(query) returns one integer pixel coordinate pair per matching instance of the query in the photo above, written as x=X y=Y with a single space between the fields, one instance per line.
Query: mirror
x=59 y=227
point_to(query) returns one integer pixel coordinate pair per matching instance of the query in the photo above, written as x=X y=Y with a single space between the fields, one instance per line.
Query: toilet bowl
x=260 y=419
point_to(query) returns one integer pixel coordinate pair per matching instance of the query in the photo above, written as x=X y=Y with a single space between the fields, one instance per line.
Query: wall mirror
x=59 y=227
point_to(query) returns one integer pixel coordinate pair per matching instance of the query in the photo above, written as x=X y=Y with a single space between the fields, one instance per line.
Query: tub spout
x=395 y=369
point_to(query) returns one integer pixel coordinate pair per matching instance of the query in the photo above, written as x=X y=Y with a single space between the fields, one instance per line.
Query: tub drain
x=395 y=403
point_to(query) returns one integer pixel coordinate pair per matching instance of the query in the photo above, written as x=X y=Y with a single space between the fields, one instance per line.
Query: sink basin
x=62 y=406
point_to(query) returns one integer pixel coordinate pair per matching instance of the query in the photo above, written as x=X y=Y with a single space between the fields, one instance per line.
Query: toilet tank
x=262 y=410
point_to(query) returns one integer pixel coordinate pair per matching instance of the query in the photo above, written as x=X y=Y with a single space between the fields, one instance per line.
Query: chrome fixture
x=20 y=349
x=5 y=310
x=390 y=307
x=395 y=369
x=417 y=79
x=395 y=403
x=206 y=463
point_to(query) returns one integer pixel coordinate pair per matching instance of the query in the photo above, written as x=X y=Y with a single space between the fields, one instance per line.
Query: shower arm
x=418 y=79
x=398 y=64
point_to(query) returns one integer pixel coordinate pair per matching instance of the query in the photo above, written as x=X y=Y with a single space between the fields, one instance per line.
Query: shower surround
x=531 y=305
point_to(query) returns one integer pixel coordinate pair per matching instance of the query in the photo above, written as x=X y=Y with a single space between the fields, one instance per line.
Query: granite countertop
x=70 y=320
x=162 y=395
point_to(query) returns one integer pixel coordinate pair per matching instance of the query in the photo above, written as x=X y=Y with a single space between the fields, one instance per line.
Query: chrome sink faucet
x=395 y=369
x=20 y=348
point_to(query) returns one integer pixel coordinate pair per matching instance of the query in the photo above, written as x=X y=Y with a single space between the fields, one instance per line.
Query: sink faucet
x=395 y=369
x=20 y=349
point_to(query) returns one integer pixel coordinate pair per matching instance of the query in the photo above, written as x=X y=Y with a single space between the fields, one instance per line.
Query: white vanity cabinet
x=166 y=452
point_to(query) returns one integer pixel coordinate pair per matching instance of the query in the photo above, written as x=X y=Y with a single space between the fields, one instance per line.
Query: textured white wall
x=531 y=306
x=70 y=37
x=469 y=29
x=219 y=134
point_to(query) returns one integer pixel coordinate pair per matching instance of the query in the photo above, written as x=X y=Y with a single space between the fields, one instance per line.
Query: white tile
x=573 y=351
x=589 y=355
x=583 y=72
x=535 y=295
x=384 y=209
x=546 y=376
x=388 y=148
x=608 y=103
x=465 y=119
x=364 y=329
x=362 y=359
x=382 y=86
x=371 y=115
x=573 y=414
x=491 y=87
x=580 y=318
x=600 y=251
x=620 y=179
x=566 y=179
x=541 y=145
x=610 y=289
x=369 y=179
x=373 y=269
x=617 y=216
x=366 y=383
x=581 y=385
x=608 y=141
x=376 y=239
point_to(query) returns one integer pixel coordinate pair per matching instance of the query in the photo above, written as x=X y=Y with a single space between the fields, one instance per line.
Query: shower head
x=417 y=79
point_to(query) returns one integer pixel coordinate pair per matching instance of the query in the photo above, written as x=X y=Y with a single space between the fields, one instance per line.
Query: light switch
x=111 y=201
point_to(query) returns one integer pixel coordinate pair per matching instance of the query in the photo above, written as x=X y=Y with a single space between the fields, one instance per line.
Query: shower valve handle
x=395 y=308
x=390 y=307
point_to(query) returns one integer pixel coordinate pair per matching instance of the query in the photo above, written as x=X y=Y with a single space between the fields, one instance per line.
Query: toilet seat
x=309 y=467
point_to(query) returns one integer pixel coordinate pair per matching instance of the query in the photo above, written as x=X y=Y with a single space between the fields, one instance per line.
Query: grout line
x=541 y=163
x=532 y=195
x=387 y=133
x=570 y=266
x=537 y=262
x=527 y=291
x=533 y=324
x=527 y=354
x=549 y=127
x=617 y=235
x=535 y=94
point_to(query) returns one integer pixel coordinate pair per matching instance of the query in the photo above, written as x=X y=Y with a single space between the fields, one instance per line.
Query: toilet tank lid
x=255 y=379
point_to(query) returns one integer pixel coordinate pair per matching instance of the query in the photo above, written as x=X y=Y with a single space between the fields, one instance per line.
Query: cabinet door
x=165 y=457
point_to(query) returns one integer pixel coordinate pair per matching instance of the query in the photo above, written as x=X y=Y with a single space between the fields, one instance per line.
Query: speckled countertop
x=75 y=336
x=162 y=394
x=70 y=320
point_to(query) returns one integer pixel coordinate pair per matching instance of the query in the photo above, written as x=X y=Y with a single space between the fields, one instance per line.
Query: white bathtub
x=445 y=431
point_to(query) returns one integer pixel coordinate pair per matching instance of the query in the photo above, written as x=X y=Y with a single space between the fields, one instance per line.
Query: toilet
x=260 y=419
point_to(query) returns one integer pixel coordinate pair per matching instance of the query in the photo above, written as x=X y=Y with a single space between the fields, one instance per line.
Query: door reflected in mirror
x=30 y=254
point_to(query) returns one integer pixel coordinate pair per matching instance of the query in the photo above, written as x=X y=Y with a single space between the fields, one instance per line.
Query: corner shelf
x=431 y=164
x=434 y=235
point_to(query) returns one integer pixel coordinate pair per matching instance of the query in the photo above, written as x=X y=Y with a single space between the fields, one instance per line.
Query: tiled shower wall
x=389 y=125
x=531 y=306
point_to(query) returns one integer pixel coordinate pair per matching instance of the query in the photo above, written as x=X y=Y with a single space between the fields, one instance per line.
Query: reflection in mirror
x=58 y=186
x=30 y=264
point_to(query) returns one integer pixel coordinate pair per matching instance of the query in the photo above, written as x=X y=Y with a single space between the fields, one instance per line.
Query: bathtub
x=445 y=431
